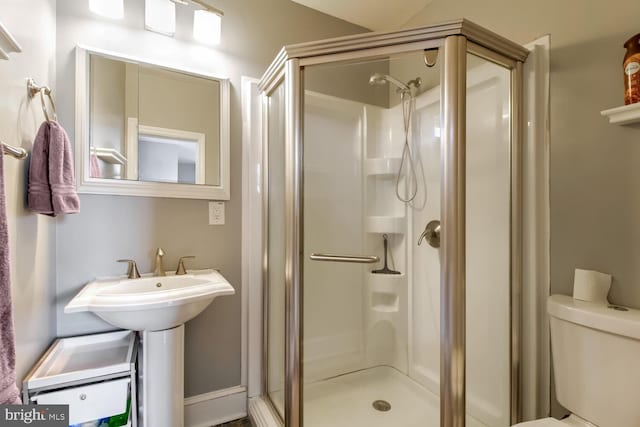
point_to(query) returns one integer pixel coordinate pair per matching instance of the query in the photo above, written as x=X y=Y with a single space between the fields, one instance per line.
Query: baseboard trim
x=261 y=413
x=217 y=407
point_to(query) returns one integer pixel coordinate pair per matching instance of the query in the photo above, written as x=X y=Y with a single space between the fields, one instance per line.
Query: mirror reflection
x=151 y=124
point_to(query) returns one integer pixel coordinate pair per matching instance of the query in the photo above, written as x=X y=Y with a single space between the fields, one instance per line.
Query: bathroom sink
x=151 y=303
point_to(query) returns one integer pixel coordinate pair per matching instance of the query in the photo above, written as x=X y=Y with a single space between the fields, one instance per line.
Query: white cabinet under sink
x=94 y=374
x=158 y=307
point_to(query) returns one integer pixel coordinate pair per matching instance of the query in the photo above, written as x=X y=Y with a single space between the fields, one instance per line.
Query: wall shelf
x=386 y=282
x=386 y=224
x=625 y=115
x=384 y=302
x=384 y=166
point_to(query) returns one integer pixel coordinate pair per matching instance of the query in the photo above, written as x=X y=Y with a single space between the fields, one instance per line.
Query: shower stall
x=392 y=229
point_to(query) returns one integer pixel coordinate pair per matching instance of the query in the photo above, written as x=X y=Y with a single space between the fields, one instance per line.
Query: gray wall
x=111 y=227
x=31 y=237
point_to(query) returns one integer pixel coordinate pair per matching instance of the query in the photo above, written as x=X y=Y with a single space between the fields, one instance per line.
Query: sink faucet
x=158 y=270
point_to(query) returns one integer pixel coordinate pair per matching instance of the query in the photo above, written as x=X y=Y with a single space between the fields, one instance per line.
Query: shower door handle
x=366 y=259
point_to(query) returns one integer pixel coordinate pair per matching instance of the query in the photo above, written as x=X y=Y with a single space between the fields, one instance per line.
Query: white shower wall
x=333 y=200
x=352 y=319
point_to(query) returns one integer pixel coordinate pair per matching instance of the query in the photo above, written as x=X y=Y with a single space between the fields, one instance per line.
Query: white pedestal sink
x=158 y=307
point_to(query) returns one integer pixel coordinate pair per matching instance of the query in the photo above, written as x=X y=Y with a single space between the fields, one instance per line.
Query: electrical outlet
x=216 y=213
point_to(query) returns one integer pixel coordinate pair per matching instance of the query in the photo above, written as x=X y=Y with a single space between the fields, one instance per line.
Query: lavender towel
x=9 y=393
x=51 y=179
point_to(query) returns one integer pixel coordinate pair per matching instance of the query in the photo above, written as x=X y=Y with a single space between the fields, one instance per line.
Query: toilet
x=596 y=356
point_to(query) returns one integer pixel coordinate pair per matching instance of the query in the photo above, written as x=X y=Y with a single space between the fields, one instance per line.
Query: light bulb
x=113 y=9
x=207 y=27
x=160 y=16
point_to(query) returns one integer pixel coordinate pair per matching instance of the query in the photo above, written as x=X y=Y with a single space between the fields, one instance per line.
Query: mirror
x=146 y=129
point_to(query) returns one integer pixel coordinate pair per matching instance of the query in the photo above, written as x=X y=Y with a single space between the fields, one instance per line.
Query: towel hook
x=35 y=89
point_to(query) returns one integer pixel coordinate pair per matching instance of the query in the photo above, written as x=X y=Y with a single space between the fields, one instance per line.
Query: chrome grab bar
x=345 y=258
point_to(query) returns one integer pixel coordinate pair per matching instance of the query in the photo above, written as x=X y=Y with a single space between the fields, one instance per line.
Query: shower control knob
x=431 y=233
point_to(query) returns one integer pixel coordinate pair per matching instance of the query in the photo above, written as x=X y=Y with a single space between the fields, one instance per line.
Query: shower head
x=378 y=79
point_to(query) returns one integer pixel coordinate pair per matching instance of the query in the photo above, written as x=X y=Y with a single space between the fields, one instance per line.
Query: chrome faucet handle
x=132 y=270
x=431 y=233
x=181 y=270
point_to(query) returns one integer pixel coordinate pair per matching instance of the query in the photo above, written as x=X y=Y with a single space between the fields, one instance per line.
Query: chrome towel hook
x=33 y=89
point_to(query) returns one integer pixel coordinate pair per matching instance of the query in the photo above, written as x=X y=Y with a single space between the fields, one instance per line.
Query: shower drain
x=381 y=405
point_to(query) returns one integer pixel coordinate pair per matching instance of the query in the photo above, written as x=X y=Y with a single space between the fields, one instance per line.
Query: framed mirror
x=145 y=129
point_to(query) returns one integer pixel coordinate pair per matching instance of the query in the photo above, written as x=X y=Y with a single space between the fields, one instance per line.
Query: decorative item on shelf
x=385 y=269
x=631 y=65
x=630 y=112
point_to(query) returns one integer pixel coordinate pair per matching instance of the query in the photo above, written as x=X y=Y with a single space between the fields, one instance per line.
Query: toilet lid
x=546 y=422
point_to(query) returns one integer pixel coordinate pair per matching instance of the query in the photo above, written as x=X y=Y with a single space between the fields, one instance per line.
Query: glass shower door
x=488 y=244
x=363 y=179
x=275 y=225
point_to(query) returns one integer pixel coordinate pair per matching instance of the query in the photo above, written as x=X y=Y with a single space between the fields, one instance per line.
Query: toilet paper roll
x=589 y=285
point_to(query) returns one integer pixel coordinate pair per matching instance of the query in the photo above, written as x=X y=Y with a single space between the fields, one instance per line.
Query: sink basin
x=158 y=307
x=151 y=303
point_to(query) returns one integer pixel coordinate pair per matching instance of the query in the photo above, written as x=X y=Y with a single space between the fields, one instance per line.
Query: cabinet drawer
x=90 y=402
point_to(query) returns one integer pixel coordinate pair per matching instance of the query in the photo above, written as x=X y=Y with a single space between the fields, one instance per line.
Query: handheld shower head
x=378 y=79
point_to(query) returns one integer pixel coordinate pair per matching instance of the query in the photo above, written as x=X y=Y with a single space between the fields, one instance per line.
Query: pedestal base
x=162 y=378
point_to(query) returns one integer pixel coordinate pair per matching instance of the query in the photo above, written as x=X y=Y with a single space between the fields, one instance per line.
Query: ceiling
x=376 y=15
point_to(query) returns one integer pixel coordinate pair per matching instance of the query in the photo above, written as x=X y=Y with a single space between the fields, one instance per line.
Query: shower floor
x=347 y=401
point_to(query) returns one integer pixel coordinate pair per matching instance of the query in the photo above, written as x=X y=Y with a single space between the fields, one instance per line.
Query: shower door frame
x=455 y=39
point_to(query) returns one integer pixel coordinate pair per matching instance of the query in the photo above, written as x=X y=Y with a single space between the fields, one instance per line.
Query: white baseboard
x=210 y=409
x=261 y=413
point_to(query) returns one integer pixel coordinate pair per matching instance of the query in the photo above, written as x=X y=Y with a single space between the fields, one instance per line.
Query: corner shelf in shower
x=383 y=166
x=386 y=282
x=383 y=302
x=625 y=115
x=385 y=290
x=386 y=224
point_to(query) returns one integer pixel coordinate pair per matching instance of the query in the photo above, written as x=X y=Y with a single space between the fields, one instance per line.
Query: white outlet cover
x=216 y=213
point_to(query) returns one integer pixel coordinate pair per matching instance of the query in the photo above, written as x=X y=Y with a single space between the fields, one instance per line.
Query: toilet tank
x=596 y=360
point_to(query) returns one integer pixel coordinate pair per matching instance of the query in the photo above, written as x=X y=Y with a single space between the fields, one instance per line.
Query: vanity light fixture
x=160 y=16
x=113 y=9
x=207 y=22
x=207 y=27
